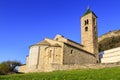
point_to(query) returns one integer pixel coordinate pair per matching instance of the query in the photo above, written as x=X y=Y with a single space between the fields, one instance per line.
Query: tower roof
x=89 y=11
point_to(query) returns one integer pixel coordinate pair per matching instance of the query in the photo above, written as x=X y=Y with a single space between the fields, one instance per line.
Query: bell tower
x=89 y=33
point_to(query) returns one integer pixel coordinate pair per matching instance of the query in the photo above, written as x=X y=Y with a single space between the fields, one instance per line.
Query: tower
x=89 y=32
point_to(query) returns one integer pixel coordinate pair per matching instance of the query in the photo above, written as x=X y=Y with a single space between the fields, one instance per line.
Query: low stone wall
x=55 y=67
x=86 y=66
x=22 y=69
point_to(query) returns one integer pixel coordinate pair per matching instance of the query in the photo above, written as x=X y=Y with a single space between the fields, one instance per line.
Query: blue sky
x=26 y=22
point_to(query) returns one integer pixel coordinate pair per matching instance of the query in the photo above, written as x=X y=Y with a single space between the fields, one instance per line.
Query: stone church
x=61 y=53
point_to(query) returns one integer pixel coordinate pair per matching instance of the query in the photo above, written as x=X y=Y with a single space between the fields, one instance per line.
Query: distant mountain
x=109 y=40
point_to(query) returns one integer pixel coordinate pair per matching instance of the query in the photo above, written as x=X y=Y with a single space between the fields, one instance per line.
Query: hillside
x=81 y=74
x=109 y=40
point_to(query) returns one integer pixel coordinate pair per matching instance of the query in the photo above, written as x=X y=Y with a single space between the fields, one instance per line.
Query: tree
x=7 y=67
x=4 y=68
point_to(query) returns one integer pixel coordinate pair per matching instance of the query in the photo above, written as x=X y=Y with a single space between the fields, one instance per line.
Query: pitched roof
x=89 y=11
x=75 y=42
x=44 y=42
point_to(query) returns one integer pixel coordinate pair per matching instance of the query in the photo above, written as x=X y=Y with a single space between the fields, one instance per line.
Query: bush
x=9 y=67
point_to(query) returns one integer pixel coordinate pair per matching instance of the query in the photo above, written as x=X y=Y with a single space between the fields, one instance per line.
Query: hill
x=109 y=40
x=81 y=74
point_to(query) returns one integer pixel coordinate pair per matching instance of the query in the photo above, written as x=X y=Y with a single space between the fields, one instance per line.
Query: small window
x=56 y=39
x=71 y=51
x=50 y=51
x=86 y=28
x=94 y=21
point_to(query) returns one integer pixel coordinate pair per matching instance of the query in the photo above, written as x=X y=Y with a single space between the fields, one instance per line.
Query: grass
x=81 y=74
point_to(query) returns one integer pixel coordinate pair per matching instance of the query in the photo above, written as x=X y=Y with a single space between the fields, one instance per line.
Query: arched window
x=86 y=28
x=87 y=21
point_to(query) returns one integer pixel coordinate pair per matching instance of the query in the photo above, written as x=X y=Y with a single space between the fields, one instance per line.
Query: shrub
x=8 y=67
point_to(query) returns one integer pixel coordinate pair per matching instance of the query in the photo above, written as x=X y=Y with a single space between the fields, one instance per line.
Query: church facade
x=60 y=53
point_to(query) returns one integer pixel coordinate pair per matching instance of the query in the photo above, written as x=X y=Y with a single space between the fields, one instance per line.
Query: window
x=71 y=51
x=87 y=22
x=86 y=28
x=56 y=39
x=94 y=21
x=94 y=28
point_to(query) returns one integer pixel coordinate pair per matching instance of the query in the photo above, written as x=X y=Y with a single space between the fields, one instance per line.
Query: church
x=62 y=53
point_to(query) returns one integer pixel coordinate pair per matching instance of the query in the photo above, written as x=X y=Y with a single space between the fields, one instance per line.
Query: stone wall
x=73 y=55
x=52 y=55
x=33 y=55
x=22 y=68
x=85 y=66
x=42 y=57
x=55 y=67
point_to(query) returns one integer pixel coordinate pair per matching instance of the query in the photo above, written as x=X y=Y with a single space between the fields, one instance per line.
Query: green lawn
x=81 y=74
